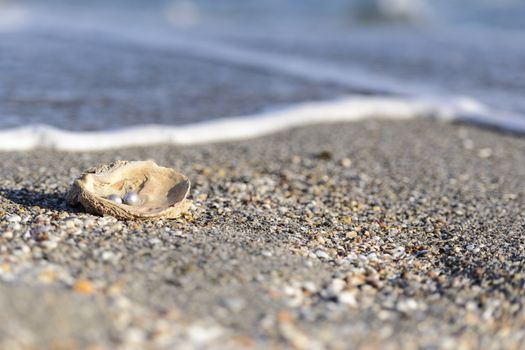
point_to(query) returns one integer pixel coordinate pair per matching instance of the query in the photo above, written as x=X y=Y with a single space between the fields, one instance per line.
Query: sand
x=400 y=235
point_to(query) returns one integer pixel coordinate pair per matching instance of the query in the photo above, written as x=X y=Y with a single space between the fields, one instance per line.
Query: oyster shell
x=162 y=191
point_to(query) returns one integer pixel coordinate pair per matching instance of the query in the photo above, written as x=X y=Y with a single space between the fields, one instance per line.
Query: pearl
x=115 y=198
x=131 y=198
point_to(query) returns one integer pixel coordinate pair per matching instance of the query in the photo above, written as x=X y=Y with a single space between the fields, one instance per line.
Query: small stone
x=324 y=155
x=5 y=268
x=70 y=224
x=356 y=279
x=346 y=162
x=135 y=336
x=421 y=253
x=7 y=235
x=14 y=218
x=347 y=298
x=407 y=305
x=336 y=286
x=48 y=276
x=351 y=234
x=321 y=254
x=200 y=335
x=76 y=232
x=89 y=222
x=83 y=287
x=267 y=253
x=155 y=242
x=73 y=223
x=309 y=287
x=49 y=245
x=347 y=220
x=485 y=153
x=107 y=255
x=41 y=229
x=398 y=252
x=15 y=226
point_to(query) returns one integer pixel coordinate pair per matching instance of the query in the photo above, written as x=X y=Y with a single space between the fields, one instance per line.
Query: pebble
x=346 y=162
x=155 y=242
x=41 y=229
x=15 y=226
x=72 y=222
x=7 y=234
x=134 y=337
x=407 y=305
x=107 y=255
x=485 y=153
x=351 y=234
x=321 y=254
x=398 y=252
x=336 y=286
x=347 y=298
x=199 y=335
x=83 y=286
x=14 y=218
x=49 y=245
x=89 y=222
x=421 y=253
x=267 y=253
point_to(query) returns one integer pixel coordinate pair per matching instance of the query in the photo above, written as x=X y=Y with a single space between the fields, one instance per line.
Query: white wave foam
x=348 y=109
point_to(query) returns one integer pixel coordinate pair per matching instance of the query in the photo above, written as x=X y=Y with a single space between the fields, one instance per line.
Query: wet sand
x=399 y=235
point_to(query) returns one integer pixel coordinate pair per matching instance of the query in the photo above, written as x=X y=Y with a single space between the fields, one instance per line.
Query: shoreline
x=371 y=233
x=349 y=109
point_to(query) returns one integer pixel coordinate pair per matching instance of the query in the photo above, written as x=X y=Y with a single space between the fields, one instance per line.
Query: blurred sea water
x=96 y=65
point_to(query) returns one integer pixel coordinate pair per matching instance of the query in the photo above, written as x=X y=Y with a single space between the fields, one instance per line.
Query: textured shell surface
x=161 y=191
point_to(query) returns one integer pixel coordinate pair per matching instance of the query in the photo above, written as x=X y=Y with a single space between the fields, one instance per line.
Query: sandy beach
x=397 y=235
x=398 y=223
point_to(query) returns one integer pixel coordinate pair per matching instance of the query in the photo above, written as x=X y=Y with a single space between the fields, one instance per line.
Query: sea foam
x=353 y=108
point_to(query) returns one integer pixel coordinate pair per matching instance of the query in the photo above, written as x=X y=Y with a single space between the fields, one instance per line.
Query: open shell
x=162 y=191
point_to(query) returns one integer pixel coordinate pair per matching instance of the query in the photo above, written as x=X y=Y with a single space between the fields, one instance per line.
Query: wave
x=399 y=99
x=352 y=108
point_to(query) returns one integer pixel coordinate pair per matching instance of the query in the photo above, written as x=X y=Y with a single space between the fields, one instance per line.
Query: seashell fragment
x=158 y=192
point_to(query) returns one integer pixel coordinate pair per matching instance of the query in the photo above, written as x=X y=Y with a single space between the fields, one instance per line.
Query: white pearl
x=115 y=198
x=131 y=198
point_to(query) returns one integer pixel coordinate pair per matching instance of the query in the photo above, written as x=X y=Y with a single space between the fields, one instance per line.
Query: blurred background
x=95 y=65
